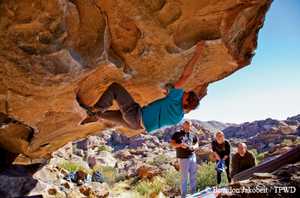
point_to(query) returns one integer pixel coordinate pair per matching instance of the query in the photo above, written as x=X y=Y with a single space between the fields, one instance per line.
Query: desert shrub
x=109 y=173
x=207 y=176
x=172 y=178
x=287 y=142
x=148 y=188
x=72 y=167
x=104 y=148
x=160 y=160
x=254 y=151
x=258 y=156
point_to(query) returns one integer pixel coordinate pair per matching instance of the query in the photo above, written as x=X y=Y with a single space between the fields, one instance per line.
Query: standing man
x=185 y=144
x=242 y=160
x=221 y=151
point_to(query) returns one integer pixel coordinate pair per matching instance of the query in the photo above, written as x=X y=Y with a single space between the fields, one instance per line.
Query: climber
x=185 y=144
x=221 y=150
x=165 y=111
x=242 y=159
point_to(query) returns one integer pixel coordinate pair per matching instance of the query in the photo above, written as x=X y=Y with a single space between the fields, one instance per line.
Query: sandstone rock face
x=52 y=51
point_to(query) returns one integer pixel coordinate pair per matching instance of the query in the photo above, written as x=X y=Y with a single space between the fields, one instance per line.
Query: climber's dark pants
x=227 y=162
x=129 y=114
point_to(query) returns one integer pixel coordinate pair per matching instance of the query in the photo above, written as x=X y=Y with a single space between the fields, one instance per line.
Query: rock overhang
x=54 y=51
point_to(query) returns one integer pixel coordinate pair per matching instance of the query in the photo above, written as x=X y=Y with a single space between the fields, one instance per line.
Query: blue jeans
x=188 y=169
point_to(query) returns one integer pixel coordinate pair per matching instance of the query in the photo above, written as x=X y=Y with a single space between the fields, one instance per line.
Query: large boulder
x=52 y=52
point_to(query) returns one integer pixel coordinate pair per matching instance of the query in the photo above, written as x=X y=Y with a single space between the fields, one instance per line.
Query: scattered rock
x=124 y=155
x=86 y=191
x=148 y=172
x=66 y=185
x=106 y=158
x=52 y=191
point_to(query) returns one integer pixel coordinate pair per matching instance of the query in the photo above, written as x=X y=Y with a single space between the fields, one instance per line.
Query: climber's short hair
x=192 y=101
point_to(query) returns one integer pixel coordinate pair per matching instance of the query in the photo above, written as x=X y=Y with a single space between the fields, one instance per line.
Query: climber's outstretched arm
x=188 y=69
x=201 y=90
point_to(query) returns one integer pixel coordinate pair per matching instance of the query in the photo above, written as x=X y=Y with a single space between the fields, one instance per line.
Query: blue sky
x=270 y=86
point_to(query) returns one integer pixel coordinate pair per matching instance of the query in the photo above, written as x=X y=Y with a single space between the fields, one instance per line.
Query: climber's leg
x=129 y=109
x=114 y=92
x=114 y=116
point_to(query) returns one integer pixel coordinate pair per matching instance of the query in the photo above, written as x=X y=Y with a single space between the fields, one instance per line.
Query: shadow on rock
x=16 y=180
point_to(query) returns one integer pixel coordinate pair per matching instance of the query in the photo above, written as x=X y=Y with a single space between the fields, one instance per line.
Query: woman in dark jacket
x=221 y=149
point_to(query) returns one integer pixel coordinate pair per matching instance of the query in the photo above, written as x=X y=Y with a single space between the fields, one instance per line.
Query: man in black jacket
x=242 y=160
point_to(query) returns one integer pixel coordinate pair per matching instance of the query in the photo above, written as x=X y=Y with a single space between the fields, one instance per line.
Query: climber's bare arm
x=188 y=69
x=201 y=90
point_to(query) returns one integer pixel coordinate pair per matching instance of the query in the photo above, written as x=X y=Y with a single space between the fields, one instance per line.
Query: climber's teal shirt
x=165 y=111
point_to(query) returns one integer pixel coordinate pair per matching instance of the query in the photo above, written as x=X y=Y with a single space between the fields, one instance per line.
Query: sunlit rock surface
x=51 y=51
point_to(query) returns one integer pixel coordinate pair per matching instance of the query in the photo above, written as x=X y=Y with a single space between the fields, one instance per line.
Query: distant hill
x=213 y=125
x=251 y=129
x=265 y=134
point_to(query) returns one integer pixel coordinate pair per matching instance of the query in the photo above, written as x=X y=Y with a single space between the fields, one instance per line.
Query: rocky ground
x=113 y=165
x=123 y=163
x=284 y=182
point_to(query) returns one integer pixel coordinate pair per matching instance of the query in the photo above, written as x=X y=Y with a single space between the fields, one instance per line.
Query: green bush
x=109 y=173
x=207 y=176
x=287 y=142
x=148 y=188
x=160 y=160
x=172 y=178
x=104 y=148
x=258 y=156
x=72 y=167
